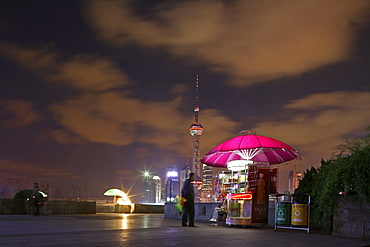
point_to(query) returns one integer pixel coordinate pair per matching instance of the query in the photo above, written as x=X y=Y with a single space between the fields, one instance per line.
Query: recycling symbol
x=297 y=213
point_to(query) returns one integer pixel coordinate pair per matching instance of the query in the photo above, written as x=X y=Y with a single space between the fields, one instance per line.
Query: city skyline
x=93 y=93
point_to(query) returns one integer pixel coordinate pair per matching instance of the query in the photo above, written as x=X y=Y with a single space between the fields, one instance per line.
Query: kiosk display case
x=239 y=208
x=247 y=194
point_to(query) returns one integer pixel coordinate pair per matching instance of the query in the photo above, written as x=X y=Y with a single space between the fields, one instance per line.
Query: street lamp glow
x=146 y=174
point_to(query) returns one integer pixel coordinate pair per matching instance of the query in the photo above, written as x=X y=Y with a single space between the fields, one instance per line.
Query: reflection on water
x=132 y=221
x=124 y=222
x=146 y=221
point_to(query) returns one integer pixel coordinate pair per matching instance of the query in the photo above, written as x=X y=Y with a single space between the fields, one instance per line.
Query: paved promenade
x=148 y=230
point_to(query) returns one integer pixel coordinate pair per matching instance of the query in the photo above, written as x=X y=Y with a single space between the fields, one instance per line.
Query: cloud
x=82 y=72
x=217 y=129
x=98 y=114
x=91 y=73
x=60 y=135
x=20 y=114
x=179 y=89
x=319 y=122
x=113 y=119
x=39 y=60
x=253 y=41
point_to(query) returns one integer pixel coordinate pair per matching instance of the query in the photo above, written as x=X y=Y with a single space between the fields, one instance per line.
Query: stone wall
x=70 y=207
x=9 y=206
x=352 y=218
x=126 y=209
x=148 y=208
x=105 y=207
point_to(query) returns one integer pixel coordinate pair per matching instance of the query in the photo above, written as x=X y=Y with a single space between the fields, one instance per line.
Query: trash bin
x=283 y=213
x=299 y=215
x=298 y=210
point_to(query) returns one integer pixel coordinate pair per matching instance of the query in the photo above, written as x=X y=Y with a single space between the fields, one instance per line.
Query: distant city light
x=146 y=174
x=172 y=174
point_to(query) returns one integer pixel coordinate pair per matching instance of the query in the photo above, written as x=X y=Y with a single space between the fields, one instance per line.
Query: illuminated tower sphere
x=196 y=130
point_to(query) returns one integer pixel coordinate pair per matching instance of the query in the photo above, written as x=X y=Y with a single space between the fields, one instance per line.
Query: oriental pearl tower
x=196 y=130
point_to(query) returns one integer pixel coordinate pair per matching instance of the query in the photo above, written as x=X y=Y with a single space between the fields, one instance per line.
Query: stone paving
x=148 y=230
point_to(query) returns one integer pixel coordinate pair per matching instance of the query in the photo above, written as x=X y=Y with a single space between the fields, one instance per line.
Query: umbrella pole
x=232 y=181
x=245 y=178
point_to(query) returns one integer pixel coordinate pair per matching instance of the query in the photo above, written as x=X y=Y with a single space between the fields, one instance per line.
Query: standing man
x=36 y=199
x=187 y=192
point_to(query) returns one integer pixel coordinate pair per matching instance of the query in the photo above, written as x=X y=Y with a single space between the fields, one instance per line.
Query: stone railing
x=9 y=206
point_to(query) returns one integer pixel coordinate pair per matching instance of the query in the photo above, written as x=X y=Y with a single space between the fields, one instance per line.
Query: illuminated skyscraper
x=157 y=189
x=145 y=196
x=184 y=174
x=293 y=180
x=207 y=189
x=172 y=184
x=151 y=189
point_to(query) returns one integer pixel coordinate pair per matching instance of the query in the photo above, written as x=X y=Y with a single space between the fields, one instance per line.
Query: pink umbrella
x=250 y=146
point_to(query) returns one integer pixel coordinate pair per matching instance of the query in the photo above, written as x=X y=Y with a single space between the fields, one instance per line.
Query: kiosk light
x=238 y=165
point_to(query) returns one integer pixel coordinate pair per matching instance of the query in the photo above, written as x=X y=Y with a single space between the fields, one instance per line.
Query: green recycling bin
x=283 y=213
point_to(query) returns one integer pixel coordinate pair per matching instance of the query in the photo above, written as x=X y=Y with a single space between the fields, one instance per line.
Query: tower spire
x=196 y=107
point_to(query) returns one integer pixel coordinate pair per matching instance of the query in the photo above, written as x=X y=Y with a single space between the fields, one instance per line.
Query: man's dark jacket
x=188 y=191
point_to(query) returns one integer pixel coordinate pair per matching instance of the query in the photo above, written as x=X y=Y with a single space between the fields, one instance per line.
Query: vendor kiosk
x=247 y=188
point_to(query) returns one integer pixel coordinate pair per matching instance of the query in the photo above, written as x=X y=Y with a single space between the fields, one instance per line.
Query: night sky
x=93 y=93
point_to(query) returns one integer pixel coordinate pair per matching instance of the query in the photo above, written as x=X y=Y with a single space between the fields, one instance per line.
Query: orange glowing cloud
x=253 y=41
x=319 y=122
x=98 y=114
x=113 y=119
x=19 y=113
x=81 y=72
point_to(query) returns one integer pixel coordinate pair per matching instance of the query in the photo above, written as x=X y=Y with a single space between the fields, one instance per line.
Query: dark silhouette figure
x=187 y=193
x=37 y=198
